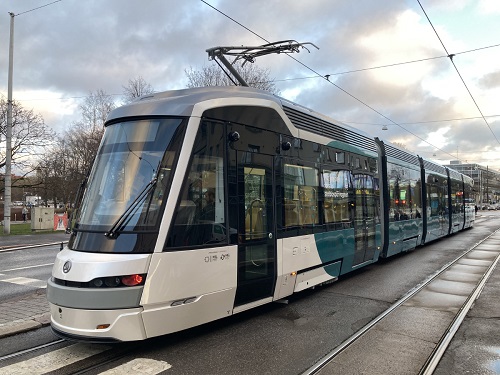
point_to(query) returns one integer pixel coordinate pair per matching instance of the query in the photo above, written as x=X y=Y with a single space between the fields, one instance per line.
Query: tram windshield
x=130 y=176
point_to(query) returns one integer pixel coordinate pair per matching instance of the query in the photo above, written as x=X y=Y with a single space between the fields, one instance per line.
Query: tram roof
x=181 y=102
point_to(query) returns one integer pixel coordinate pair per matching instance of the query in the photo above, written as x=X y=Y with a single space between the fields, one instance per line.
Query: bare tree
x=68 y=161
x=400 y=145
x=136 y=88
x=212 y=75
x=95 y=110
x=30 y=138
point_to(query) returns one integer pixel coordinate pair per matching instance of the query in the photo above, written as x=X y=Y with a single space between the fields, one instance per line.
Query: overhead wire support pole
x=8 y=140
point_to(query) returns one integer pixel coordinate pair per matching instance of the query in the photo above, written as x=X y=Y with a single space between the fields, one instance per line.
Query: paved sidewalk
x=23 y=315
x=31 y=311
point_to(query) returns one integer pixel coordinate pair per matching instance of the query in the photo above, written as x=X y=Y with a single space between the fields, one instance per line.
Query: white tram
x=203 y=203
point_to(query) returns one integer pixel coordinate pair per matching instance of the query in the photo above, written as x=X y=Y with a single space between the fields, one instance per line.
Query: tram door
x=364 y=219
x=252 y=206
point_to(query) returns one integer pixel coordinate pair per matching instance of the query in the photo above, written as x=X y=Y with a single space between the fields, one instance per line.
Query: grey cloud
x=74 y=47
x=490 y=80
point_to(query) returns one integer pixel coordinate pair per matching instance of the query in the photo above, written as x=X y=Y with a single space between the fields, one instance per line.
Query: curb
x=20 y=326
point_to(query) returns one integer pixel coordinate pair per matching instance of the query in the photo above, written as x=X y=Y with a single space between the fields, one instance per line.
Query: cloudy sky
x=386 y=55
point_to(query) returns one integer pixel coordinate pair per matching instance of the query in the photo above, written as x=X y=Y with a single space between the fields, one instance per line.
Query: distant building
x=32 y=200
x=486 y=181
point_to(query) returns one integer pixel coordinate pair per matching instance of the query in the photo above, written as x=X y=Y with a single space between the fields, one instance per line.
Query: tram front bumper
x=97 y=325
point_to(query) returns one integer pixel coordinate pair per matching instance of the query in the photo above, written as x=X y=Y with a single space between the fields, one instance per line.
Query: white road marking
x=26 y=281
x=139 y=366
x=28 y=267
x=54 y=360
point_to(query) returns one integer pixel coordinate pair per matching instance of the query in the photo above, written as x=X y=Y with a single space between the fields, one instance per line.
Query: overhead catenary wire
x=458 y=72
x=388 y=65
x=421 y=122
x=41 y=6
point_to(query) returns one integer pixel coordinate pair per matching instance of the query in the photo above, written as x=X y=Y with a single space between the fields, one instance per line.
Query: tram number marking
x=216 y=257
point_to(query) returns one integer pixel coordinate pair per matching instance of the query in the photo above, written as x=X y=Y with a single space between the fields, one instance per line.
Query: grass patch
x=20 y=229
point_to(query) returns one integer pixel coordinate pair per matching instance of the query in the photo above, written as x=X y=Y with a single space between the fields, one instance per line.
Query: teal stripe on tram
x=335 y=245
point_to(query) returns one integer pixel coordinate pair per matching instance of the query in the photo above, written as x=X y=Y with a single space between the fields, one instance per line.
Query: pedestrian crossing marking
x=26 y=281
x=55 y=360
x=139 y=366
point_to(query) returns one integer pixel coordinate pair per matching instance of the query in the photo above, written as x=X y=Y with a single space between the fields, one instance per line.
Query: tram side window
x=200 y=216
x=437 y=197
x=400 y=193
x=301 y=195
x=416 y=198
x=367 y=203
x=468 y=196
x=338 y=190
x=457 y=196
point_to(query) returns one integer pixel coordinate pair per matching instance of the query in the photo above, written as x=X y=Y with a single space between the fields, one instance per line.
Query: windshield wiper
x=121 y=222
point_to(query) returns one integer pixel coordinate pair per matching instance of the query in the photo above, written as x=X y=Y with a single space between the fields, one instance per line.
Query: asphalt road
x=25 y=271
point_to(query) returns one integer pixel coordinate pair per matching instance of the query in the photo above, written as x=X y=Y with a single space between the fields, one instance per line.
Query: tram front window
x=130 y=177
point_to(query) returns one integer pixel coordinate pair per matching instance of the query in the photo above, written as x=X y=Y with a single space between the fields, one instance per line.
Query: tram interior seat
x=329 y=213
x=308 y=214
x=291 y=215
x=254 y=221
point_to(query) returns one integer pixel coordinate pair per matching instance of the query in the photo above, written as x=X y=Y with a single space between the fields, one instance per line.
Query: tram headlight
x=112 y=282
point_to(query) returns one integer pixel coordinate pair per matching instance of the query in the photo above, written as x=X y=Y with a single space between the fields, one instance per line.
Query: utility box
x=42 y=218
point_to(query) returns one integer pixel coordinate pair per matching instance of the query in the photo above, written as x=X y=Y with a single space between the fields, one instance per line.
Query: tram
x=203 y=203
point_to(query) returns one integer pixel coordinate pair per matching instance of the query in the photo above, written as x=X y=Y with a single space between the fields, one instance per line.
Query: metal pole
x=487 y=185
x=8 y=152
x=481 y=186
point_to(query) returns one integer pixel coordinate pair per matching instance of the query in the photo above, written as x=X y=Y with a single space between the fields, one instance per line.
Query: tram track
x=82 y=364
x=433 y=359
x=115 y=356
x=4 y=249
x=438 y=352
x=23 y=352
x=100 y=359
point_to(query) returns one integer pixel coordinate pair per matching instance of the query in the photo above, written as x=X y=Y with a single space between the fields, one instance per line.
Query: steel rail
x=438 y=352
x=30 y=350
x=115 y=355
x=26 y=247
x=336 y=351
